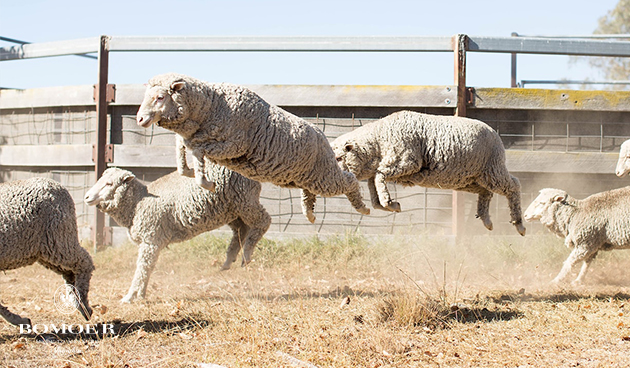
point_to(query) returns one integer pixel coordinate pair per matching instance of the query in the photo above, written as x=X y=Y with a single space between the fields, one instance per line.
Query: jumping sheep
x=38 y=224
x=174 y=209
x=446 y=152
x=598 y=222
x=232 y=126
x=623 y=164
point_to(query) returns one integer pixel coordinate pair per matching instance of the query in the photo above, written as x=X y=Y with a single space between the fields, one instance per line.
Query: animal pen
x=71 y=134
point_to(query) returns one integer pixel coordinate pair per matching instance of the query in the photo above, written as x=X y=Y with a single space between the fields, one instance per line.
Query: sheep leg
x=578 y=254
x=13 y=318
x=483 y=203
x=383 y=193
x=308 y=205
x=257 y=222
x=77 y=280
x=509 y=187
x=200 y=171
x=353 y=193
x=374 y=195
x=82 y=276
x=239 y=230
x=585 y=264
x=147 y=258
x=182 y=164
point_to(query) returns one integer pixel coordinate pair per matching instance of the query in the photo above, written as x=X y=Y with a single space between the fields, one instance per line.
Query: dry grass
x=345 y=301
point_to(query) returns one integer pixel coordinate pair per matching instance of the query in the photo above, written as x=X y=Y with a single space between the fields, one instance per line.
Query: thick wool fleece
x=446 y=152
x=174 y=209
x=598 y=222
x=38 y=224
x=234 y=127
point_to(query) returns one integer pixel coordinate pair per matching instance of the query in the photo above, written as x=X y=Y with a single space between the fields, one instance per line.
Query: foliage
x=616 y=21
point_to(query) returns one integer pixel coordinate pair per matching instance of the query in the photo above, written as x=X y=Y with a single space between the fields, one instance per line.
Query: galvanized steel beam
x=255 y=43
x=549 y=46
x=46 y=49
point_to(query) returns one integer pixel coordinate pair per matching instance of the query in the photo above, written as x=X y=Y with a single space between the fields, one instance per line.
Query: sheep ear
x=129 y=177
x=349 y=147
x=559 y=198
x=176 y=86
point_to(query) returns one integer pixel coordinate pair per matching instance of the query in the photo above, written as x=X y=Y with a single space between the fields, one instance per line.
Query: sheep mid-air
x=174 y=209
x=232 y=126
x=38 y=224
x=598 y=222
x=446 y=152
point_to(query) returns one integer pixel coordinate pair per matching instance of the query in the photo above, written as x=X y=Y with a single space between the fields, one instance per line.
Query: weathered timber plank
x=329 y=95
x=48 y=96
x=50 y=155
x=546 y=99
x=144 y=156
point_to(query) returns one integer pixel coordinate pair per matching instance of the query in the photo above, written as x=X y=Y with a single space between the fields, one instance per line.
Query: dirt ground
x=346 y=301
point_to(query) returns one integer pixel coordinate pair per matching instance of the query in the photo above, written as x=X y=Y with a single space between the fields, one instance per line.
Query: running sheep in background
x=623 y=164
x=598 y=222
x=446 y=152
x=38 y=223
x=232 y=126
x=174 y=209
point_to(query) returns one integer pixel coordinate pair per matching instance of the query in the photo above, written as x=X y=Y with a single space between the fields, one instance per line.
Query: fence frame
x=459 y=44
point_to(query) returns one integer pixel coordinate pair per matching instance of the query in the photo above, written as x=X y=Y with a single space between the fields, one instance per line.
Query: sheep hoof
x=208 y=185
x=521 y=229
x=20 y=321
x=86 y=312
x=310 y=217
x=225 y=267
x=127 y=299
x=393 y=206
x=363 y=210
x=487 y=223
x=189 y=173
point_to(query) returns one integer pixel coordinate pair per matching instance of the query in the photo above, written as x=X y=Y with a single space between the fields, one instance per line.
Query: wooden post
x=101 y=134
x=460 y=45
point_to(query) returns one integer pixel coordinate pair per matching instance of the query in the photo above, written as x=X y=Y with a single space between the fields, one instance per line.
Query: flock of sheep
x=238 y=140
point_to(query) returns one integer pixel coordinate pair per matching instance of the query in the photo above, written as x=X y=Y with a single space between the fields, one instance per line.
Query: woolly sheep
x=38 y=224
x=174 y=209
x=598 y=222
x=444 y=152
x=234 y=127
x=623 y=164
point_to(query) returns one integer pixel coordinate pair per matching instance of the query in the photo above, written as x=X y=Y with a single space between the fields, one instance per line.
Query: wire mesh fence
x=424 y=209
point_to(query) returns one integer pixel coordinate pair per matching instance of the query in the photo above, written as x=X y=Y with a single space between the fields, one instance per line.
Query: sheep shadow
x=117 y=328
x=557 y=297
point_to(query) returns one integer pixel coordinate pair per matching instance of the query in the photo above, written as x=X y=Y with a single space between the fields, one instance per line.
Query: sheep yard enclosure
x=428 y=286
x=342 y=301
x=553 y=138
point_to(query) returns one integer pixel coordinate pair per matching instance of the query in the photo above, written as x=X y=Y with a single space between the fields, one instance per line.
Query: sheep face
x=106 y=190
x=623 y=164
x=349 y=158
x=539 y=206
x=161 y=105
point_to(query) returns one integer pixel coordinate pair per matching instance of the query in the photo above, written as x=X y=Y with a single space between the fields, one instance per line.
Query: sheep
x=598 y=222
x=623 y=164
x=232 y=126
x=174 y=208
x=38 y=224
x=446 y=152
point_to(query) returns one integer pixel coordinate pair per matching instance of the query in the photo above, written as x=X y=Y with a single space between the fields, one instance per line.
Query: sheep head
x=350 y=157
x=623 y=164
x=108 y=190
x=162 y=101
x=546 y=198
